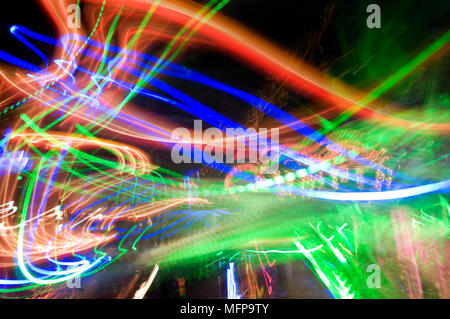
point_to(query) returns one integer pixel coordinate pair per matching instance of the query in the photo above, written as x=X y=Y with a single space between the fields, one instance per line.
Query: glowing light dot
x=339 y=159
x=250 y=187
x=268 y=183
x=290 y=177
x=325 y=165
x=313 y=169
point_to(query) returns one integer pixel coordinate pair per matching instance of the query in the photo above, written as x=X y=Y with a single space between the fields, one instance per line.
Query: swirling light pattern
x=87 y=184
